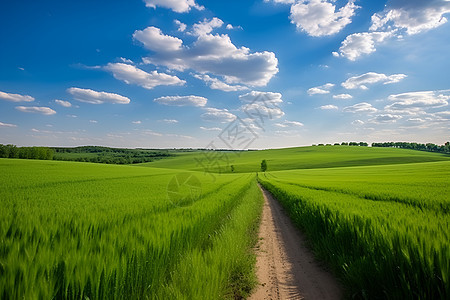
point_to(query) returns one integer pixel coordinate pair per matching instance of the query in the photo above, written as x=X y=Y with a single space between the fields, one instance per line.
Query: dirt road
x=286 y=269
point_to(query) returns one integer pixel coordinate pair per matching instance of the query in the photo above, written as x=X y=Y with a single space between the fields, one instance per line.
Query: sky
x=223 y=74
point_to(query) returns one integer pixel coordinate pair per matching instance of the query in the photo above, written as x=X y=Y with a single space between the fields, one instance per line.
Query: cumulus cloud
x=342 y=96
x=209 y=54
x=362 y=107
x=361 y=81
x=323 y=89
x=217 y=84
x=320 y=17
x=288 y=124
x=136 y=122
x=15 y=97
x=206 y=26
x=218 y=115
x=94 y=97
x=262 y=105
x=153 y=39
x=385 y=118
x=132 y=75
x=7 y=125
x=328 y=107
x=412 y=16
x=181 y=26
x=36 y=109
x=179 y=6
x=358 y=44
x=63 y=103
x=182 y=100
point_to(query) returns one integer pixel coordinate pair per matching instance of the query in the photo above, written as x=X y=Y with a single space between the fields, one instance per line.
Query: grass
x=383 y=229
x=298 y=158
x=76 y=230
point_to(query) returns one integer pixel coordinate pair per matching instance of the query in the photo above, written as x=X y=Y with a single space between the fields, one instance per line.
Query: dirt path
x=286 y=269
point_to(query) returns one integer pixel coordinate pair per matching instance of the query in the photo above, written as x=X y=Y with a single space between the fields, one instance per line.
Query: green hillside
x=295 y=158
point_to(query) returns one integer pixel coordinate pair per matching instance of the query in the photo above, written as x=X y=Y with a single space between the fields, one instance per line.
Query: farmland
x=377 y=217
x=76 y=230
x=384 y=230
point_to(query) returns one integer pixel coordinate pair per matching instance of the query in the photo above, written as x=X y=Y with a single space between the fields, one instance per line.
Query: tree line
x=416 y=146
x=12 y=151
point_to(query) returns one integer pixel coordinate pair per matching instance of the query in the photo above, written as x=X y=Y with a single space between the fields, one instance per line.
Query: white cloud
x=179 y=6
x=153 y=39
x=218 y=115
x=231 y=27
x=412 y=16
x=342 y=96
x=94 y=97
x=262 y=104
x=414 y=103
x=15 y=97
x=209 y=54
x=210 y=128
x=169 y=121
x=320 y=17
x=323 y=89
x=206 y=26
x=362 y=107
x=217 y=84
x=181 y=26
x=136 y=122
x=63 y=103
x=36 y=109
x=7 y=125
x=385 y=118
x=370 y=78
x=132 y=75
x=287 y=124
x=93 y=121
x=182 y=100
x=358 y=122
x=328 y=107
x=72 y=116
x=357 y=44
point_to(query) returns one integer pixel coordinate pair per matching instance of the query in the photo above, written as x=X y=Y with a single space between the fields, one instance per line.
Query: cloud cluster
x=179 y=6
x=414 y=103
x=329 y=107
x=361 y=81
x=182 y=100
x=289 y=124
x=209 y=54
x=342 y=96
x=385 y=118
x=15 y=97
x=132 y=75
x=36 y=109
x=398 y=17
x=320 y=17
x=323 y=89
x=94 y=97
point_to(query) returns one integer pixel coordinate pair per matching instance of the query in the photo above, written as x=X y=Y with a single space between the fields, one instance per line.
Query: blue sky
x=160 y=73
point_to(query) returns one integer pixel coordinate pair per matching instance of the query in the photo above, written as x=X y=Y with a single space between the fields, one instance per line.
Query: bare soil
x=286 y=268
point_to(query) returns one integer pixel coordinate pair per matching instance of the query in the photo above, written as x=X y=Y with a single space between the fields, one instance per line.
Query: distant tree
x=337 y=144
x=344 y=144
x=263 y=165
x=232 y=168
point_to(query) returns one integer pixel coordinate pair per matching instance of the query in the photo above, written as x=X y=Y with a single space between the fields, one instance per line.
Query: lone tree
x=232 y=168
x=263 y=165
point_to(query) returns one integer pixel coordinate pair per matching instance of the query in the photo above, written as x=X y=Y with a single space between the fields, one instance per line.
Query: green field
x=385 y=230
x=298 y=158
x=378 y=217
x=77 y=230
